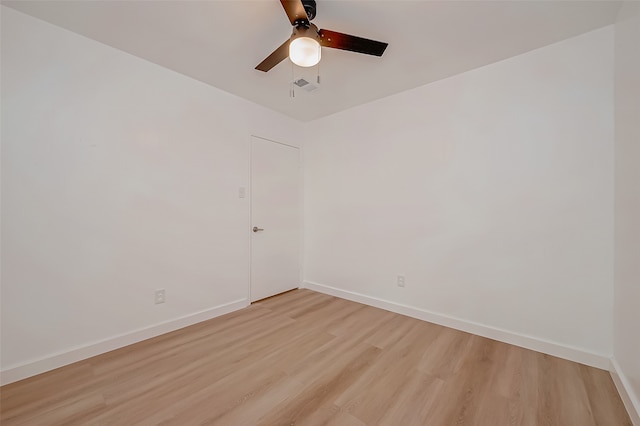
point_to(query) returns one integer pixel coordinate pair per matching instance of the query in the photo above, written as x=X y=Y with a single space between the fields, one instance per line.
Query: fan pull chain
x=292 y=92
x=318 y=66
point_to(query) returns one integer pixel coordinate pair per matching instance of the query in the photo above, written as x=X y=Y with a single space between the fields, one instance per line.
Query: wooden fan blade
x=278 y=55
x=342 y=41
x=295 y=11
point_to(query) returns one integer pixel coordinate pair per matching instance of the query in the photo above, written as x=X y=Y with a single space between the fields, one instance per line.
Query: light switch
x=242 y=192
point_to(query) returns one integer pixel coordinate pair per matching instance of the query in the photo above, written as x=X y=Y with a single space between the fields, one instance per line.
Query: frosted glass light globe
x=304 y=51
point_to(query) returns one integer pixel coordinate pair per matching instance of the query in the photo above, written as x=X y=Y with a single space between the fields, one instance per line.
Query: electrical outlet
x=400 y=280
x=159 y=296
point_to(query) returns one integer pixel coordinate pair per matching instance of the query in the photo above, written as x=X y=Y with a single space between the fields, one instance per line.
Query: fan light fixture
x=304 y=52
x=304 y=48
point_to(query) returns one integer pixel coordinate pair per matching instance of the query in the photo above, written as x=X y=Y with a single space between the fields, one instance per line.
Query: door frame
x=300 y=208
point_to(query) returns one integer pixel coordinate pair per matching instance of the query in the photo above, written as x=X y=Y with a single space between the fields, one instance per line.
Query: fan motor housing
x=303 y=31
x=310 y=8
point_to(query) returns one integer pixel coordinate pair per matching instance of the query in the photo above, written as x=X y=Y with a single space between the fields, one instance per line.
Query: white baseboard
x=629 y=398
x=506 y=336
x=29 y=369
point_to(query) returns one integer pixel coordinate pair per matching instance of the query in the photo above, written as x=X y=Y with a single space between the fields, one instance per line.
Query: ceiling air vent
x=304 y=84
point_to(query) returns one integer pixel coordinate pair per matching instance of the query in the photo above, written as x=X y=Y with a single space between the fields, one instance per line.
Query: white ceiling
x=220 y=42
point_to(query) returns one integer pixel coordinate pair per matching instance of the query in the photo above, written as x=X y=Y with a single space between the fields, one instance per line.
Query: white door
x=275 y=218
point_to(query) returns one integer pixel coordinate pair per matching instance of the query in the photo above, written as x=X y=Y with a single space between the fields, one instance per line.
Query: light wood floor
x=308 y=358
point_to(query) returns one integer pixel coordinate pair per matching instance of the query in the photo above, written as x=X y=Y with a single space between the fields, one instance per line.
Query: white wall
x=626 y=324
x=491 y=191
x=119 y=177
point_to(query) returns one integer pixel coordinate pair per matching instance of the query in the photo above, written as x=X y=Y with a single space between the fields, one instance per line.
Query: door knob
x=256 y=229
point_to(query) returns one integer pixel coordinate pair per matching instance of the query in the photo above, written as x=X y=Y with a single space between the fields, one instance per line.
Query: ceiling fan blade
x=295 y=11
x=278 y=55
x=342 y=41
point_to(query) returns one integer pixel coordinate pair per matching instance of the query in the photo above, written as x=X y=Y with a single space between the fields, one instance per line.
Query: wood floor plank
x=306 y=358
x=415 y=401
x=373 y=394
x=447 y=353
x=604 y=402
x=336 y=377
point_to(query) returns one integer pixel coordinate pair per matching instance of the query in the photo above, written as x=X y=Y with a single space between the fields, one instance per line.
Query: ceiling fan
x=304 y=46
